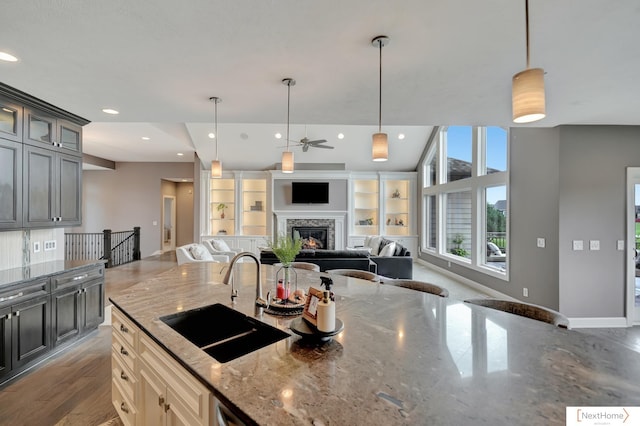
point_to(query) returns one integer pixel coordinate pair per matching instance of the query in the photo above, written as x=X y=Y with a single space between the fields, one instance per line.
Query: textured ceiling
x=448 y=62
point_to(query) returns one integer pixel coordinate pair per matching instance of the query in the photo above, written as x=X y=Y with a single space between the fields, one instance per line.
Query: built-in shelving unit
x=397 y=207
x=254 y=207
x=365 y=207
x=222 y=207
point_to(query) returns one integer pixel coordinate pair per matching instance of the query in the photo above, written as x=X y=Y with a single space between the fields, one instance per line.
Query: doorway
x=633 y=245
x=168 y=223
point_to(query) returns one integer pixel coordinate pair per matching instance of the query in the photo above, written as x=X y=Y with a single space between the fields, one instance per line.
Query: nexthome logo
x=602 y=416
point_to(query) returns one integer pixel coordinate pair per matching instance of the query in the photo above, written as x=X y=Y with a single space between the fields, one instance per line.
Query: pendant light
x=528 y=100
x=380 y=147
x=287 y=156
x=216 y=165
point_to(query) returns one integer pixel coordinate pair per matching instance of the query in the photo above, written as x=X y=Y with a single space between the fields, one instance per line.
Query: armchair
x=220 y=247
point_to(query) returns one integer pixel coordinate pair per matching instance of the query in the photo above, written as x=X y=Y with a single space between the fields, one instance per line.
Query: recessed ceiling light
x=212 y=135
x=110 y=111
x=340 y=135
x=401 y=136
x=180 y=154
x=278 y=136
x=146 y=138
x=4 y=56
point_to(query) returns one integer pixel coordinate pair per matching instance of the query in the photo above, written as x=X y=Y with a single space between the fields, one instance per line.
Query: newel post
x=107 y=248
x=136 y=243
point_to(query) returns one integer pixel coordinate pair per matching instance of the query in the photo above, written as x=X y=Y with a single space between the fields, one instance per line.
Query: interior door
x=633 y=245
x=168 y=223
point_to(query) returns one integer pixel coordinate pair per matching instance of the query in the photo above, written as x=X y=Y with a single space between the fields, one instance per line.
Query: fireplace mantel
x=338 y=217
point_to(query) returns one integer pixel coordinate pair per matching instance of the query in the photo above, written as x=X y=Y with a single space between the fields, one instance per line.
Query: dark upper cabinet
x=10 y=120
x=52 y=188
x=10 y=184
x=44 y=130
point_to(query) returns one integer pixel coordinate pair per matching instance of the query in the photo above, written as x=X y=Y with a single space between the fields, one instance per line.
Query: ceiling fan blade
x=305 y=148
x=323 y=146
x=317 y=141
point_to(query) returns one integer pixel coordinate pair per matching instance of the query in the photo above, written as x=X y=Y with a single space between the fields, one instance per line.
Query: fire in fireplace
x=313 y=237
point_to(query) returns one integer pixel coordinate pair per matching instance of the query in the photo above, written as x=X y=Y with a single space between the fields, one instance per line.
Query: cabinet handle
x=80 y=277
x=13 y=296
x=124 y=408
x=123 y=351
x=17 y=313
x=123 y=328
x=167 y=407
x=161 y=400
x=7 y=317
x=123 y=376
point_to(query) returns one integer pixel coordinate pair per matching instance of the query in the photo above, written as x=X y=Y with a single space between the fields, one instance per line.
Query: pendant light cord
x=526 y=14
x=288 y=107
x=380 y=90
x=215 y=109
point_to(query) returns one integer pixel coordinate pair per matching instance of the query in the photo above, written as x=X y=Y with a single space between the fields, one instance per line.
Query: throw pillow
x=374 y=243
x=199 y=252
x=388 y=250
x=220 y=245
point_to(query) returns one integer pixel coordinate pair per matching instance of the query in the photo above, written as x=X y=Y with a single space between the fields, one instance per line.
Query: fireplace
x=313 y=237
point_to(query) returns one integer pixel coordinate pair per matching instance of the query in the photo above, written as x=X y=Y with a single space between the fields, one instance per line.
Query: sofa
x=395 y=262
x=195 y=252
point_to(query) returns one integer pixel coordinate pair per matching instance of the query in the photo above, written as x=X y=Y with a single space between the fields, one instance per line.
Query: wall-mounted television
x=310 y=192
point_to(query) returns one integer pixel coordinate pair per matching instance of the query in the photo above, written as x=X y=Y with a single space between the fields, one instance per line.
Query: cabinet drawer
x=124 y=352
x=188 y=390
x=17 y=293
x=123 y=376
x=124 y=328
x=123 y=405
x=77 y=277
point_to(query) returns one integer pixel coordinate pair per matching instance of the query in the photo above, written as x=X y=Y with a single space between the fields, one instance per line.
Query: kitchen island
x=403 y=357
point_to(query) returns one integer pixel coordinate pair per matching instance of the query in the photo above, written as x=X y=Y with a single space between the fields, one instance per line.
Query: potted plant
x=221 y=207
x=458 y=251
x=286 y=249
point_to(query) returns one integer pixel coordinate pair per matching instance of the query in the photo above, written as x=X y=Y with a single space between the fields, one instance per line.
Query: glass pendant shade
x=287 y=162
x=528 y=98
x=380 y=147
x=216 y=169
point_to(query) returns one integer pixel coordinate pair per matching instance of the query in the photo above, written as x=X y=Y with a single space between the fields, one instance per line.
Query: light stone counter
x=404 y=357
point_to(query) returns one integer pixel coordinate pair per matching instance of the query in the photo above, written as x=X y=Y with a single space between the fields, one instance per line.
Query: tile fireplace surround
x=334 y=221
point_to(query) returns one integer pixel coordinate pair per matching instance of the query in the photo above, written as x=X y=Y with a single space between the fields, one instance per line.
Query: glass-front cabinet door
x=10 y=121
x=39 y=128
x=69 y=136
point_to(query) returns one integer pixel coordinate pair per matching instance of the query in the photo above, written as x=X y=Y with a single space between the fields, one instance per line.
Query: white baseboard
x=107 y=316
x=613 y=322
x=491 y=292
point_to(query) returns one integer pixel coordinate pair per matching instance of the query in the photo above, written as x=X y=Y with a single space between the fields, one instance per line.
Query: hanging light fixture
x=216 y=165
x=287 y=156
x=528 y=89
x=380 y=147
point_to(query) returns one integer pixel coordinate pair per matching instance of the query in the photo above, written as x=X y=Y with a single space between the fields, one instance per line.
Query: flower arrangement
x=286 y=248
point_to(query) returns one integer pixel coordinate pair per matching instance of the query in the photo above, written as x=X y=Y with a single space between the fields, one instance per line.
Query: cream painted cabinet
x=151 y=388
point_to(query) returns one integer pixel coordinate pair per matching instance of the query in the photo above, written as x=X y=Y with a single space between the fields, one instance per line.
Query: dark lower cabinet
x=45 y=314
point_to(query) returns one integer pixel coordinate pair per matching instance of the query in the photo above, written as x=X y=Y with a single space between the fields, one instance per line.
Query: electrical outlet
x=594 y=245
x=578 y=245
x=541 y=242
x=49 y=245
x=36 y=247
x=525 y=292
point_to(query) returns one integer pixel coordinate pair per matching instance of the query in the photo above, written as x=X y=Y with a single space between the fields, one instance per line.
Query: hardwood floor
x=74 y=386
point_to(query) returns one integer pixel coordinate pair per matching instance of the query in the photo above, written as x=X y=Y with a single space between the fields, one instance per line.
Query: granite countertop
x=404 y=357
x=39 y=270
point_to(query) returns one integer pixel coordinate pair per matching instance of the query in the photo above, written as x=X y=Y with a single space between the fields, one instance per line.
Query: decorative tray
x=288 y=308
x=302 y=328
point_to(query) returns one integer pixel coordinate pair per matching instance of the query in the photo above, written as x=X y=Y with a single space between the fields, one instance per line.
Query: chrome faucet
x=229 y=276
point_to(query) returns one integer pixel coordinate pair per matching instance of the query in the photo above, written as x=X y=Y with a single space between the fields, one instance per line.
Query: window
x=465 y=198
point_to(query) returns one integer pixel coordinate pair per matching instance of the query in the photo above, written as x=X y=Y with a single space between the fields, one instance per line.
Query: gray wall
x=593 y=161
x=338 y=190
x=184 y=213
x=126 y=197
x=567 y=183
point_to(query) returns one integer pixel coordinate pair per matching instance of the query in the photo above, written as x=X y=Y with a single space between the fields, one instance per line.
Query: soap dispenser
x=326 y=316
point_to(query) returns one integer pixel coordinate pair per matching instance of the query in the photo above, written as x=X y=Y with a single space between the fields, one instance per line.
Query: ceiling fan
x=307 y=143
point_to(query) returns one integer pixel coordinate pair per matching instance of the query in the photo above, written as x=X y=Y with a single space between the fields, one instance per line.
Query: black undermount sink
x=223 y=332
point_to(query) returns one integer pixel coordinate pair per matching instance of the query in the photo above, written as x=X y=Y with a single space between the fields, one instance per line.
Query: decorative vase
x=222 y=215
x=286 y=282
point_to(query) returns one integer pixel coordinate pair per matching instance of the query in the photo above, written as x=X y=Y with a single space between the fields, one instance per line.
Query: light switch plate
x=541 y=242
x=594 y=245
x=578 y=245
x=620 y=245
